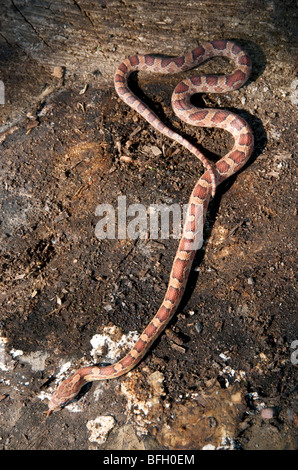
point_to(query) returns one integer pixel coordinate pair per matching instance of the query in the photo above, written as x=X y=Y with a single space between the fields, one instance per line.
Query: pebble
x=267 y=413
x=58 y=72
x=126 y=159
x=198 y=327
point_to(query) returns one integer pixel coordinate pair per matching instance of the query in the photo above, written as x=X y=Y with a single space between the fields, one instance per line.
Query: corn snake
x=203 y=191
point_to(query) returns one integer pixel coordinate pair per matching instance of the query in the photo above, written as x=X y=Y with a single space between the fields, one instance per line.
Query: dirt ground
x=223 y=375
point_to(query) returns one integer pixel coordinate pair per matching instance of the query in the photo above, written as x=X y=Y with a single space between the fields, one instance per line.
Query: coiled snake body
x=203 y=191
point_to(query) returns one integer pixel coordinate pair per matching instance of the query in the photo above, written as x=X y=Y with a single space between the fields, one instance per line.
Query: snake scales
x=203 y=191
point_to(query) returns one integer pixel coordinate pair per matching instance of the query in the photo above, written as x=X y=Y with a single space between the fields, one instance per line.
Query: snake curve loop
x=202 y=192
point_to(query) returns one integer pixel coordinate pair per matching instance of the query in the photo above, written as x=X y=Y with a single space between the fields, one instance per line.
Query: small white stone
x=100 y=428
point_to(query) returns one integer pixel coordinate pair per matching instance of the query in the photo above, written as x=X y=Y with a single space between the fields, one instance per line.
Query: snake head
x=66 y=392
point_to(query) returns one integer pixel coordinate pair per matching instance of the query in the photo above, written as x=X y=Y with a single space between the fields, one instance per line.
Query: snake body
x=203 y=191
